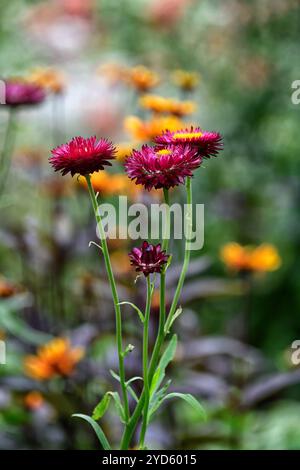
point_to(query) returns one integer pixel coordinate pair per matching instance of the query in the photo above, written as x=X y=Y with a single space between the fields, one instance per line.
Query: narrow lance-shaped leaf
x=164 y=361
x=100 y=434
x=171 y=320
x=102 y=406
x=190 y=399
x=135 y=308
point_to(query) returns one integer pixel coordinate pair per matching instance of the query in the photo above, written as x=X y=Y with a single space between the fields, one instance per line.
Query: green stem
x=7 y=148
x=161 y=335
x=187 y=251
x=159 y=339
x=145 y=363
x=115 y=297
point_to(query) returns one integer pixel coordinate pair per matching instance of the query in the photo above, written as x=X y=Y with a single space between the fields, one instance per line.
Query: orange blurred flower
x=145 y=131
x=56 y=187
x=160 y=104
x=112 y=184
x=263 y=258
x=48 y=78
x=33 y=400
x=187 y=81
x=113 y=72
x=142 y=78
x=7 y=288
x=56 y=358
x=120 y=263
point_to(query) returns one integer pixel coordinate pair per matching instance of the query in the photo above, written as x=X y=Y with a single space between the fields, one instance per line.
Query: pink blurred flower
x=167 y=12
x=20 y=93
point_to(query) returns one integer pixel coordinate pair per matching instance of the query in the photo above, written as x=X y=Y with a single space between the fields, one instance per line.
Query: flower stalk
x=114 y=295
x=145 y=361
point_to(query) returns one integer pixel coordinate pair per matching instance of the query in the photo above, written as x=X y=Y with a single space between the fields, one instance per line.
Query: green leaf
x=119 y=406
x=100 y=434
x=157 y=399
x=168 y=262
x=190 y=399
x=133 y=379
x=95 y=244
x=171 y=320
x=130 y=389
x=115 y=376
x=163 y=363
x=142 y=318
x=102 y=406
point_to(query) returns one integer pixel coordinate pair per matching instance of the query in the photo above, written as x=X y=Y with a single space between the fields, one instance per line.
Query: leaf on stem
x=100 y=434
x=166 y=358
x=127 y=384
x=171 y=320
x=142 y=318
x=95 y=244
x=102 y=406
x=157 y=399
x=190 y=399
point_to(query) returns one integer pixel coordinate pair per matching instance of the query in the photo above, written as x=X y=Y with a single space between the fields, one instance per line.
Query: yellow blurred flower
x=123 y=150
x=263 y=258
x=187 y=81
x=144 y=131
x=142 y=78
x=56 y=358
x=160 y=104
x=33 y=400
x=49 y=78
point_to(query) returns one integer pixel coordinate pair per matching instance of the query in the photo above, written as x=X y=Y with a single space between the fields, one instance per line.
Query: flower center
x=162 y=152
x=187 y=135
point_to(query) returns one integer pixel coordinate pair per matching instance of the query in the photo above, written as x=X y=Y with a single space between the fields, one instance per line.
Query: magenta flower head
x=21 y=93
x=207 y=144
x=148 y=259
x=83 y=156
x=162 y=168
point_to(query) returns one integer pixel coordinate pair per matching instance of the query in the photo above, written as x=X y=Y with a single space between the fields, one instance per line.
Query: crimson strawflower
x=83 y=156
x=21 y=93
x=148 y=258
x=162 y=168
x=207 y=144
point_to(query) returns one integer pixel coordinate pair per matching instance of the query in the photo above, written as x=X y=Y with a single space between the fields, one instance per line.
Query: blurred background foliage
x=236 y=331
